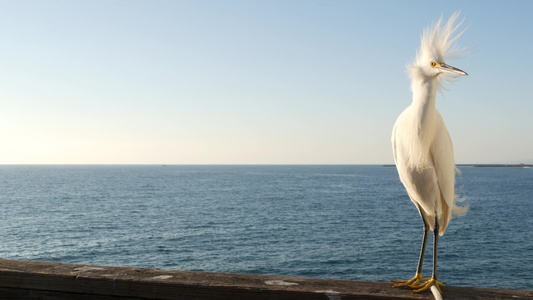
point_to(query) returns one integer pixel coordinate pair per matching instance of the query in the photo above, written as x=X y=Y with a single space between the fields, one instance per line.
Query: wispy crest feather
x=439 y=44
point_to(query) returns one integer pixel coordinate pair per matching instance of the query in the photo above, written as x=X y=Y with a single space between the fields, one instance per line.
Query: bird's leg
x=412 y=283
x=433 y=280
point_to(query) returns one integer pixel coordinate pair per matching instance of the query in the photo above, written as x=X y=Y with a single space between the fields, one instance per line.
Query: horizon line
x=246 y=164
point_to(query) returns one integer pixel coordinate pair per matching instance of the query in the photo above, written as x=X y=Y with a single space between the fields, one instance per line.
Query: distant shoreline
x=521 y=165
x=489 y=165
x=497 y=165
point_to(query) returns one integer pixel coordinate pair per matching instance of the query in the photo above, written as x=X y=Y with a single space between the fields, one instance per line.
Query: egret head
x=438 y=45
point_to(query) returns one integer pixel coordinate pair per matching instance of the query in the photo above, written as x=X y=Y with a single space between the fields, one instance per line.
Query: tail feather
x=460 y=210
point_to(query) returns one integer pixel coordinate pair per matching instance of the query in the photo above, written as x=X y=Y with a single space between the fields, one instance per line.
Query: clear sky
x=251 y=82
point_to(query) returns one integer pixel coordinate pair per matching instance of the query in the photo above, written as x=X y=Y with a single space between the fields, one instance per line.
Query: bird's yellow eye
x=433 y=64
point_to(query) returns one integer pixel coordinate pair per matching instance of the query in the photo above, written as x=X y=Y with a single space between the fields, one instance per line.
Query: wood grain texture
x=54 y=281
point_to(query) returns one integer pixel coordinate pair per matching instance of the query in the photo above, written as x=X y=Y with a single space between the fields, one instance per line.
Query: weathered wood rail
x=54 y=281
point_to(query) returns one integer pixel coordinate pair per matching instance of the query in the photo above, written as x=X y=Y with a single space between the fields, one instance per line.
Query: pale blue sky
x=251 y=82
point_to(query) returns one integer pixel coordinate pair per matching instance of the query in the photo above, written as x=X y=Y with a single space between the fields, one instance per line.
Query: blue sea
x=341 y=222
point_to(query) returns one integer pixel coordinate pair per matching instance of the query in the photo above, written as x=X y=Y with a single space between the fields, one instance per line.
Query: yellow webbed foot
x=418 y=288
x=413 y=283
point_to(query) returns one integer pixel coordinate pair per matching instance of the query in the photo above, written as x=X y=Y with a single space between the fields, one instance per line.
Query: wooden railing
x=43 y=280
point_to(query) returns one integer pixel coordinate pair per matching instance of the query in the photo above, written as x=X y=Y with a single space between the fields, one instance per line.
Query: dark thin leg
x=424 y=243
x=435 y=244
x=427 y=283
x=415 y=282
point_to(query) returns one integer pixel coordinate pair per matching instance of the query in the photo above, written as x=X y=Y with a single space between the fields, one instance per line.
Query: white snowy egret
x=422 y=146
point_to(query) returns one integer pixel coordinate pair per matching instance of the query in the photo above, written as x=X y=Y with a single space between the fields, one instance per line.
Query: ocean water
x=338 y=222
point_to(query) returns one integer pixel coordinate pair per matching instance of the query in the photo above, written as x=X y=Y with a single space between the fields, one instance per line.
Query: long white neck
x=423 y=129
x=424 y=93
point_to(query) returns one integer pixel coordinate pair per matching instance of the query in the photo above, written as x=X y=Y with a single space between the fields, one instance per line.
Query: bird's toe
x=410 y=283
x=418 y=288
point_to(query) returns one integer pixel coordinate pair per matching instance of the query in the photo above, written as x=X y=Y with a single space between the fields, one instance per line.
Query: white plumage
x=422 y=147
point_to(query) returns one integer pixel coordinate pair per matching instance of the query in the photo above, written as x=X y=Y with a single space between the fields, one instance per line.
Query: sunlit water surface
x=339 y=222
